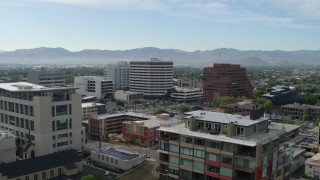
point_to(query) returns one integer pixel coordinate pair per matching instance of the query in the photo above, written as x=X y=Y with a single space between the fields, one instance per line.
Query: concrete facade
x=119 y=74
x=52 y=116
x=47 y=78
x=101 y=87
x=127 y=96
x=7 y=147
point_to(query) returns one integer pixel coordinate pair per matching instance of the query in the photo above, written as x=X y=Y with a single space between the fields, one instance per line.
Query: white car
x=107 y=173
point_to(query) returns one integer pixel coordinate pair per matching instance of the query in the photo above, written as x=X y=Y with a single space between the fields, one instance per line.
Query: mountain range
x=44 y=55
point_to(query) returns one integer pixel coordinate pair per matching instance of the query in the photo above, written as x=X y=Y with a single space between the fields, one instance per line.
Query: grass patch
x=148 y=171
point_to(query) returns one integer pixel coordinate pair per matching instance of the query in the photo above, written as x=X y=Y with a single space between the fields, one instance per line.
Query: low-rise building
x=59 y=165
x=127 y=96
x=144 y=132
x=211 y=145
x=281 y=95
x=101 y=87
x=297 y=110
x=99 y=126
x=92 y=108
x=180 y=94
x=312 y=167
x=244 y=108
x=7 y=147
x=116 y=158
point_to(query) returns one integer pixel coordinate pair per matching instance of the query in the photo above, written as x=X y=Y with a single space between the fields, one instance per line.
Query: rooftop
x=155 y=122
x=223 y=118
x=120 y=154
x=5 y=134
x=104 y=116
x=282 y=126
x=25 y=86
x=127 y=92
x=90 y=104
x=29 y=166
x=315 y=160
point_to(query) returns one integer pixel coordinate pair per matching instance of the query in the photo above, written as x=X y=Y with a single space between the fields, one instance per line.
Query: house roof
x=41 y=163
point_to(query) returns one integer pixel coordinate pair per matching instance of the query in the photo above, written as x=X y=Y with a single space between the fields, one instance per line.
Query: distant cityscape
x=112 y=121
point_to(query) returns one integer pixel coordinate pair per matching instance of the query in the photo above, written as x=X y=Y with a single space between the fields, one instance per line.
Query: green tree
x=288 y=120
x=228 y=110
x=160 y=111
x=227 y=99
x=183 y=108
x=316 y=122
x=88 y=177
x=268 y=105
x=261 y=100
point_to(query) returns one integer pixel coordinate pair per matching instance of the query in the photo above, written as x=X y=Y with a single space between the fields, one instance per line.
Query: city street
x=152 y=152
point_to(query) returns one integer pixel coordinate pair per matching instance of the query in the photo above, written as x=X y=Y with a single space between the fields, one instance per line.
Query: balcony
x=246 y=165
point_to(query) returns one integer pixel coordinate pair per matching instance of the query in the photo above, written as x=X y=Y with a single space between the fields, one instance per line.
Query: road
x=152 y=152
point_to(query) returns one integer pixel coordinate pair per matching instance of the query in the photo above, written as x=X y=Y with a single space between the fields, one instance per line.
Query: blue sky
x=180 y=24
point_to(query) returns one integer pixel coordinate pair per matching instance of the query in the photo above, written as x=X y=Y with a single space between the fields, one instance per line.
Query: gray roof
x=223 y=118
x=27 y=87
x=123 y=155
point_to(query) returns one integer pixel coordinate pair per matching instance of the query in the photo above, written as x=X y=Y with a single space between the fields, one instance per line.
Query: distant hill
x=44 y=55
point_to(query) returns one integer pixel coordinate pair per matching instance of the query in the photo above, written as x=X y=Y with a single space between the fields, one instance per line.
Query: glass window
x=173 y=159
x=53 y=111
x=62 y=124
x=198 y=153
x=186 y=139
x=61 y=110
x=70 y=109
x=214 y=169
x=32 y=125
x=21 y=109
x=240 y=130
x=186 y=151
x=31 y=110
x=27 y=123
x=227 y=147
x=186 y=162
x=62 y=135
x=62 y=143
x=226 y=159
x=26 y=112
x=213 y=144
x=226 y=171
x=212 y=157
x=174 y=148
x=198 y=165
x=53 y=125
x=17 y=122
x=22 y=122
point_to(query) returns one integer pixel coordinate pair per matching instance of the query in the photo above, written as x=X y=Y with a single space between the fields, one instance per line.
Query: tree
x=183 y=108
x=268 y=105
x=227 y=99
x=97 y=175
x=228 y=110
x=288 y=120
x=261 y=100
x=88 y=177
x=316 y=122
x=160 y=111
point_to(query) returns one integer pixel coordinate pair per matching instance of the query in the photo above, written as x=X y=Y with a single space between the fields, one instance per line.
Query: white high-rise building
x=153 y=78
x=47 y=78
x=45 y=120
x=119 y=74
x=100 y=87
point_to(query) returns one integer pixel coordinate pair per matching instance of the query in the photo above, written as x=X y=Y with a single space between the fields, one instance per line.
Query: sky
x=168 y=24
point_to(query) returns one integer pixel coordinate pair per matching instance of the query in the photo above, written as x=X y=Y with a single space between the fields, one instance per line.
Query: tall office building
x=212 y=146
x=47 y=78
x=45 y=120
x=119 y=74
x=100 y=87
x=225 y=80
x=153 y=78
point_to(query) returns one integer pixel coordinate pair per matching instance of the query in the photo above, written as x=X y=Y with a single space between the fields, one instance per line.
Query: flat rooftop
x=5 y=134
x=282 y=126
x=104 y=116
x=251 y=141
x=155 y=122
x=120 y=154
x=223 y=118
x=25 y=86
x=90 y=104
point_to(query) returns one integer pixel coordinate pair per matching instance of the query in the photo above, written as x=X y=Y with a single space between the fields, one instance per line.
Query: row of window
x=16 y=121
x=61 y=110
x=106 y=158
x=62 y=124
x=17 y=108
x=43 y=175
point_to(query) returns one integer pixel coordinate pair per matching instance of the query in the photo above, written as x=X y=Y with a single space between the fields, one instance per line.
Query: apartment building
x=297 y=111
x=92 y=108
x=47 y=78
x=243 y=108
x=212 y=146
x=7 y=147
x=225 y=80
x=105 y=124
x=46 y=119
x=119 y=74
x=100 y=87
x=153 y=78
x=186 y=94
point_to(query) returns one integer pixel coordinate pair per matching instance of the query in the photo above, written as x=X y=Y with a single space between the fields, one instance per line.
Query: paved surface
x=152 y=152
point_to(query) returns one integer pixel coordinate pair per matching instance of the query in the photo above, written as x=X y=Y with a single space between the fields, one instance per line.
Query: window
x=227 y=147
x=62 y=143
x=70 y=109
x=26 y=177
x=59 y=171
x=198 y=165
x=53 y=125
x=226 y=171
x=174 y=148
x=61 y=110
x=62 y=135
x=240 y=130
x=70 y=123
x=226 y=159
x=198 y=153
x=35 y=176
x=27 y=123
x=187 y=140
x=213 y=169
x=213 y=144
x=11 y=106
x=2 y=117
x=212 y=157
x=116 y=161
x=44 y=175
x=26 y=112
x=186 y=151
x=51 y=173
x=32 y=125
x=31 y=111
x=102 y=157
x=62 y=124
x=186 y=162
x=111 y=160
x=173 y=159
x=199 y=142
x=53 y=111
x=21 y=109
x=53 y=137
x=174 y=170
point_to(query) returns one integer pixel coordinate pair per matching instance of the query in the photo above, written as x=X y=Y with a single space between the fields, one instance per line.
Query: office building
x=297 y=111
x=186 y=82
x=116 y=158
x=225 y=80
x=7 y=147
x=128 y=96
x=281 y=95
x=47 y=78
x=153 y=78
x=61 y=165
x=119 y=74
x=104 y=124
x=211 y=145
x=92 y=108
x=100 y=87
x=180 y=94
x=45 y=120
